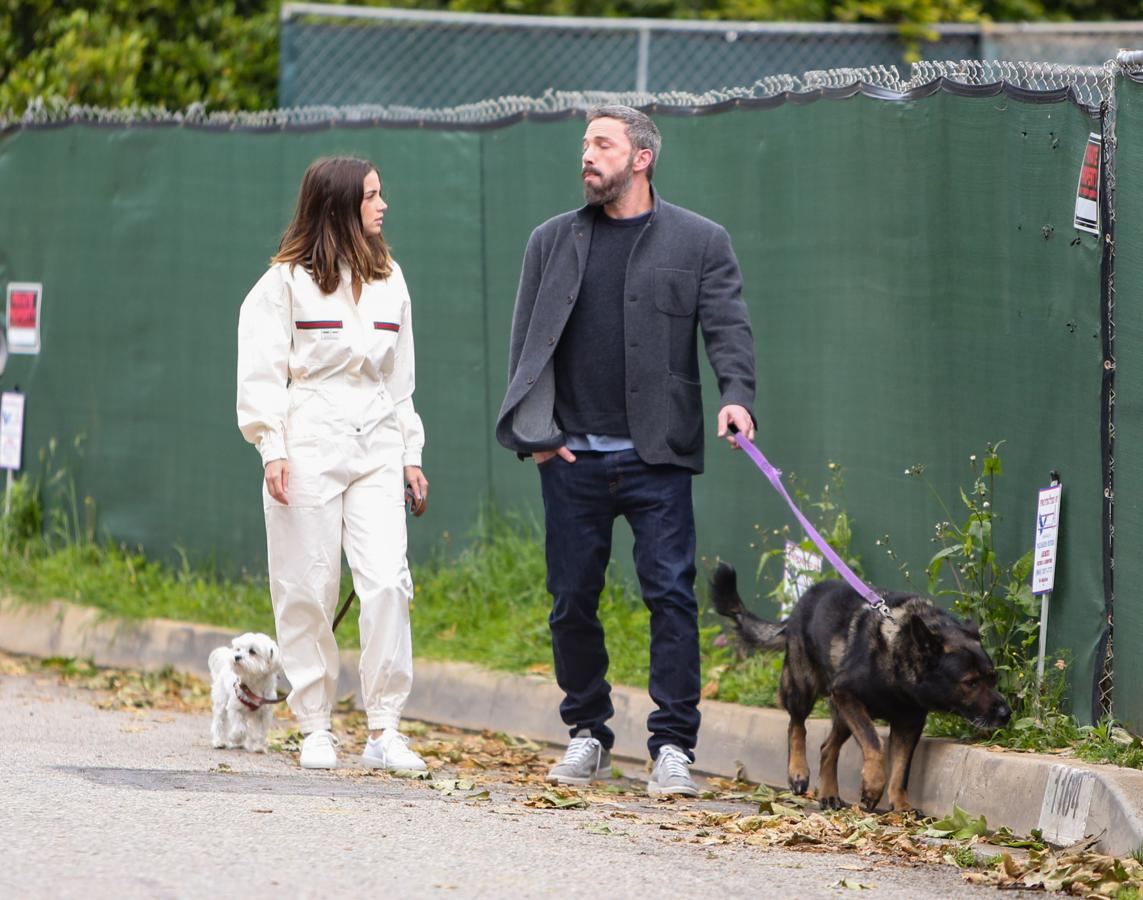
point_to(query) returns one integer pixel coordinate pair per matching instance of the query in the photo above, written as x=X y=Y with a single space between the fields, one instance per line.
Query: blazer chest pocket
x=676 y=291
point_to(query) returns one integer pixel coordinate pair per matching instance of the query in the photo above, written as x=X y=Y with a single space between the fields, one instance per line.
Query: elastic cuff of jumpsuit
x=312 y=722
x=379 y=721
x=272 y=448
x=412 y=458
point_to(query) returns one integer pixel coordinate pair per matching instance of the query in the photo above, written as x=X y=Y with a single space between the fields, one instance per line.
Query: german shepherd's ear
x=924 y=638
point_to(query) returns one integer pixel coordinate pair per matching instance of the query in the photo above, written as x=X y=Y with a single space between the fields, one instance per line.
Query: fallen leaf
x=558 y=798
x=851 y=885
x=411 y=774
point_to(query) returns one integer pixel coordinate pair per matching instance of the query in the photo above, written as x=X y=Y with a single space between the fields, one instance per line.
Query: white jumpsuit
x=327 y=384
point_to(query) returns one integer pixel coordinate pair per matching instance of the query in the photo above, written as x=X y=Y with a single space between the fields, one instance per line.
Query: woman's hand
x=278 y=479
x=418 y=488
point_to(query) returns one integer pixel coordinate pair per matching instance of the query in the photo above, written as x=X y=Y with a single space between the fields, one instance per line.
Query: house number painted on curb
x=1067 y=799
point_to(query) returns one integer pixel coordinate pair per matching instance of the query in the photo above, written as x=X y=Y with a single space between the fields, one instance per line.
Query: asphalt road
x=100 y=803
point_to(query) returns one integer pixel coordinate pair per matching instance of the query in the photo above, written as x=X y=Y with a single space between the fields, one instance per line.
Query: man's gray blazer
x=682 y=275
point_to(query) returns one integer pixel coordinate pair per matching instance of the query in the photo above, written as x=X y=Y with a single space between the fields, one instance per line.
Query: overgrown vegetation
x=994 y=594
x=173 y=53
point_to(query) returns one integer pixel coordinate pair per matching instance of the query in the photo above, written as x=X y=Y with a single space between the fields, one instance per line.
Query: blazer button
x=571 y=297
x=551 y=340
x=531 y=380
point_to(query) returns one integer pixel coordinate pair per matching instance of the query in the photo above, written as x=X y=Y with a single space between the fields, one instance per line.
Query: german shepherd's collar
x=869 y=667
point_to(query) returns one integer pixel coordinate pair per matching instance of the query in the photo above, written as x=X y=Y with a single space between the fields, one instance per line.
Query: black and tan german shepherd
x=869 y=667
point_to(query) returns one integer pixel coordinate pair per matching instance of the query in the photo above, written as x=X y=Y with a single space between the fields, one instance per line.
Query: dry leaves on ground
x=464 y=765
x=166 y=689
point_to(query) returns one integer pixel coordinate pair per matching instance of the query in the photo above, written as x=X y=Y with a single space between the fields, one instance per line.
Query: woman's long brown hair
x=326 y=229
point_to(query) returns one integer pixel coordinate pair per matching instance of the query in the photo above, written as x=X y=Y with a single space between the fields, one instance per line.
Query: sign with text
x=1047 y=534
x=11 y=429
x=24 y=300
x=1087 y=191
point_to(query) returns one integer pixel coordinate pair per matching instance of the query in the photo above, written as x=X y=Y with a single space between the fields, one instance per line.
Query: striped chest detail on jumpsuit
x=387 y=326
x=316 y=324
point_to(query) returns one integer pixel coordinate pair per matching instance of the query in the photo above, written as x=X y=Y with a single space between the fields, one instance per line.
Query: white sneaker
x=319 y=751
x=584 y=761
x=391 y=751
x=671 y=774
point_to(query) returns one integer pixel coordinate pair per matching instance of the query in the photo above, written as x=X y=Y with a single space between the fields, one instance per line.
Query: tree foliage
x=119 y=53
x=174 y=53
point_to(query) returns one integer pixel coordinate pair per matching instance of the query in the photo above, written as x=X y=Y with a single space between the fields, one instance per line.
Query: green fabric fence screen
x=916 y=288
x=1128 y=611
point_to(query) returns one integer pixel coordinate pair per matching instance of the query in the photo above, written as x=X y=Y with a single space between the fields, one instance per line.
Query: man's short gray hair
x=641 y=131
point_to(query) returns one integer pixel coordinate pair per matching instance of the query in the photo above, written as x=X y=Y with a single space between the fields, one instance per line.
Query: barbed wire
x=1089 y=85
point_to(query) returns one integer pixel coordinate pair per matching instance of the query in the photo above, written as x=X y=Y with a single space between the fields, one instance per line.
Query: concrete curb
x=1065 y=798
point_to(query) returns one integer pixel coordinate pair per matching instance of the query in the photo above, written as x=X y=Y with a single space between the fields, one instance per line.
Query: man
x=603 y=392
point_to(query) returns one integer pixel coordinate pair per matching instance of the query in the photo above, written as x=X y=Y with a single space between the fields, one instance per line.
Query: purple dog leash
x=774 y=476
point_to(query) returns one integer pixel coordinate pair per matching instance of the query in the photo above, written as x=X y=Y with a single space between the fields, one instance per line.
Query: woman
x=325 y=392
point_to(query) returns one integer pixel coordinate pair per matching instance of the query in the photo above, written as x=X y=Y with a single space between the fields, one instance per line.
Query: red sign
x=1087 y=190
x=25 y=299
x=1089 y=173
x=22 y=309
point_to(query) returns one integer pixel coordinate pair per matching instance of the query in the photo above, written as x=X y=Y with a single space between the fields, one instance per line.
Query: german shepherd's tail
x=756 y=633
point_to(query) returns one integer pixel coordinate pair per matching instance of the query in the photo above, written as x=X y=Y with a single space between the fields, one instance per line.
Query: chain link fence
x=336 y=56
x=1090 y=87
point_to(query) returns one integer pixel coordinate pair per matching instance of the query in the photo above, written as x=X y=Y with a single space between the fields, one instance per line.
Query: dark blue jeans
x=581 y=502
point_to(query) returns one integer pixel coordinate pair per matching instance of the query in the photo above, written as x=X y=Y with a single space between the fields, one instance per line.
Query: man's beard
x=610 y=189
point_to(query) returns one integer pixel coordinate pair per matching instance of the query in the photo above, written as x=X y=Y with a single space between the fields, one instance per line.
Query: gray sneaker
x=584 y=761
x=671 y=774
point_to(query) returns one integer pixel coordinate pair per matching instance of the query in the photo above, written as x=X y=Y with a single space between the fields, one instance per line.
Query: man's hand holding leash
x=732 y=419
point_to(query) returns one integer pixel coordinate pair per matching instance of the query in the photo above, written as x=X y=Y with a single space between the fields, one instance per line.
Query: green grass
x=124 y=583
x=1103 y=742
x=752 y=682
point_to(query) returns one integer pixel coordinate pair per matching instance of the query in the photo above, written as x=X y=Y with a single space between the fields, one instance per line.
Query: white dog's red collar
x=251 y=700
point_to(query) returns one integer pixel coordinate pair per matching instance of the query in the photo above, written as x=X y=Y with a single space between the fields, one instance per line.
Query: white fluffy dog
x=244 y=682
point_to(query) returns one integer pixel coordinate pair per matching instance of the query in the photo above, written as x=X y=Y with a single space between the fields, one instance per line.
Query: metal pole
x=1045 y=600
x=643 y=60
x=8 y=495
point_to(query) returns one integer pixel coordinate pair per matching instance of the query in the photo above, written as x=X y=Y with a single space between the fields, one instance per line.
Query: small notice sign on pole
x=1044 y=567
x=11 y=430
x=1047 y=533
